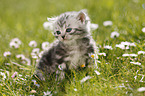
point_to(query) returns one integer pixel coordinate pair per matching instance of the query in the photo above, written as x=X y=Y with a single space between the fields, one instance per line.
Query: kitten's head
x=71 y=25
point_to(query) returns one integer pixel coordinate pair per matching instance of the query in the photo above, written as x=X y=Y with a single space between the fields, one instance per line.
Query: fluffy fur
x=73 y=46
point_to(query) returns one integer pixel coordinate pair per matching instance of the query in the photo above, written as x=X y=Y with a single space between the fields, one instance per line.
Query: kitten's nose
x=63 y=36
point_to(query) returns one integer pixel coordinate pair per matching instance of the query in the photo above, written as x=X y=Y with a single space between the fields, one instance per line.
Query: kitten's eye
x=58 y=32
x=68 y=29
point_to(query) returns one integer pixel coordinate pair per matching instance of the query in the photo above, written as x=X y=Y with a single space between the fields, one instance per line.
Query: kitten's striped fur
x=73 y=45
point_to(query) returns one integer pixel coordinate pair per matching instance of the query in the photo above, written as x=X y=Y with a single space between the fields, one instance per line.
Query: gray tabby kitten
x=73 y=47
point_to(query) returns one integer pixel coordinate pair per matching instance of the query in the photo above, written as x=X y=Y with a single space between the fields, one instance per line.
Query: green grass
x=24 y=20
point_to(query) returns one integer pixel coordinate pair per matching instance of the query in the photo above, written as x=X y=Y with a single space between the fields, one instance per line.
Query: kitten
x=73 y=46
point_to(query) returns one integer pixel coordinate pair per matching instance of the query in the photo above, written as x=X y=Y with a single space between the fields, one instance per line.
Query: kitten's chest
x=76 y=57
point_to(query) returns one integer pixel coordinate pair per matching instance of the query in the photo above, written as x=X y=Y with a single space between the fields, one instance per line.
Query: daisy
x=132 y=44
x=48 y=93
x=108 y=47
x=4 y=75
x=15 y=73
x=128 y=43
x=85 y=79
x=136 y=63
x=28 y=61
x=120 y=46
x=132 y=55
x=141 y=52
x=35 y=83
x=33 y=44
x=14 y=45
x=45 y=45
x=104 y=54
x=16 y=40
x=40 y=54
x=114 y=34
x=20 y=56
x=34 y=55
x=107 y=23
x=36 y=50
x=141 y=89
x=6 y=54
x=33 y=91
x=75 y=89
x=97 y=72
x=92 y=55
x=48 y=25
x=94 y=26
x=143 y=29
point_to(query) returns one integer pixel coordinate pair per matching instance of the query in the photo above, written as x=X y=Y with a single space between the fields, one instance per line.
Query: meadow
x=120 y=38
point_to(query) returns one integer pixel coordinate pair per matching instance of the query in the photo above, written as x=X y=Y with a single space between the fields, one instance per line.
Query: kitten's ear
x=81 y=16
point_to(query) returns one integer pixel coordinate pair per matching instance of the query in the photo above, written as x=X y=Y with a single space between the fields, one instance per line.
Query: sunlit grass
x=121 y=67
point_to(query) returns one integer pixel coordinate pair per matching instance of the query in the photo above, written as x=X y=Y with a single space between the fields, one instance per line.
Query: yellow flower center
x=36 y=83
x=92 y=56
x=83 y=65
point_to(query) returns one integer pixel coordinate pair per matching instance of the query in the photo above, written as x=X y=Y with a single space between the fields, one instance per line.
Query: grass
x=24 y=20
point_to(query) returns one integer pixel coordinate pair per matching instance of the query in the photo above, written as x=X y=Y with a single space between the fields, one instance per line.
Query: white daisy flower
x=36 y=50
x=35 y=83
x=92 y=55
x=114 y=34
x=143 y=29
x=132 y=44
x=16 y=40
x=15 y=73
x=48 y=25
x=28 y=61
x=48 y=93
x=33 y=44
x=120 y=46
x=128 y=43
x=75 y=89
x=45 y=45
x=136 y=63
x=94 y=26
x=20 y=56
x=131 y=55
x=108 y=47
x=141 y=52
x=4 y=75
x=85 y=79
x=124 y=55
x=141 y=89
x=107 y=23
x=33 y=91
x=40 y=54
x=14 y=45
x=34 y=55
x=97 y=72
x=104 y=54
x=6 y=54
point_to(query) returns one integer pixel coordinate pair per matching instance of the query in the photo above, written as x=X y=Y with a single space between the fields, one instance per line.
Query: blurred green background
x=24 y=18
